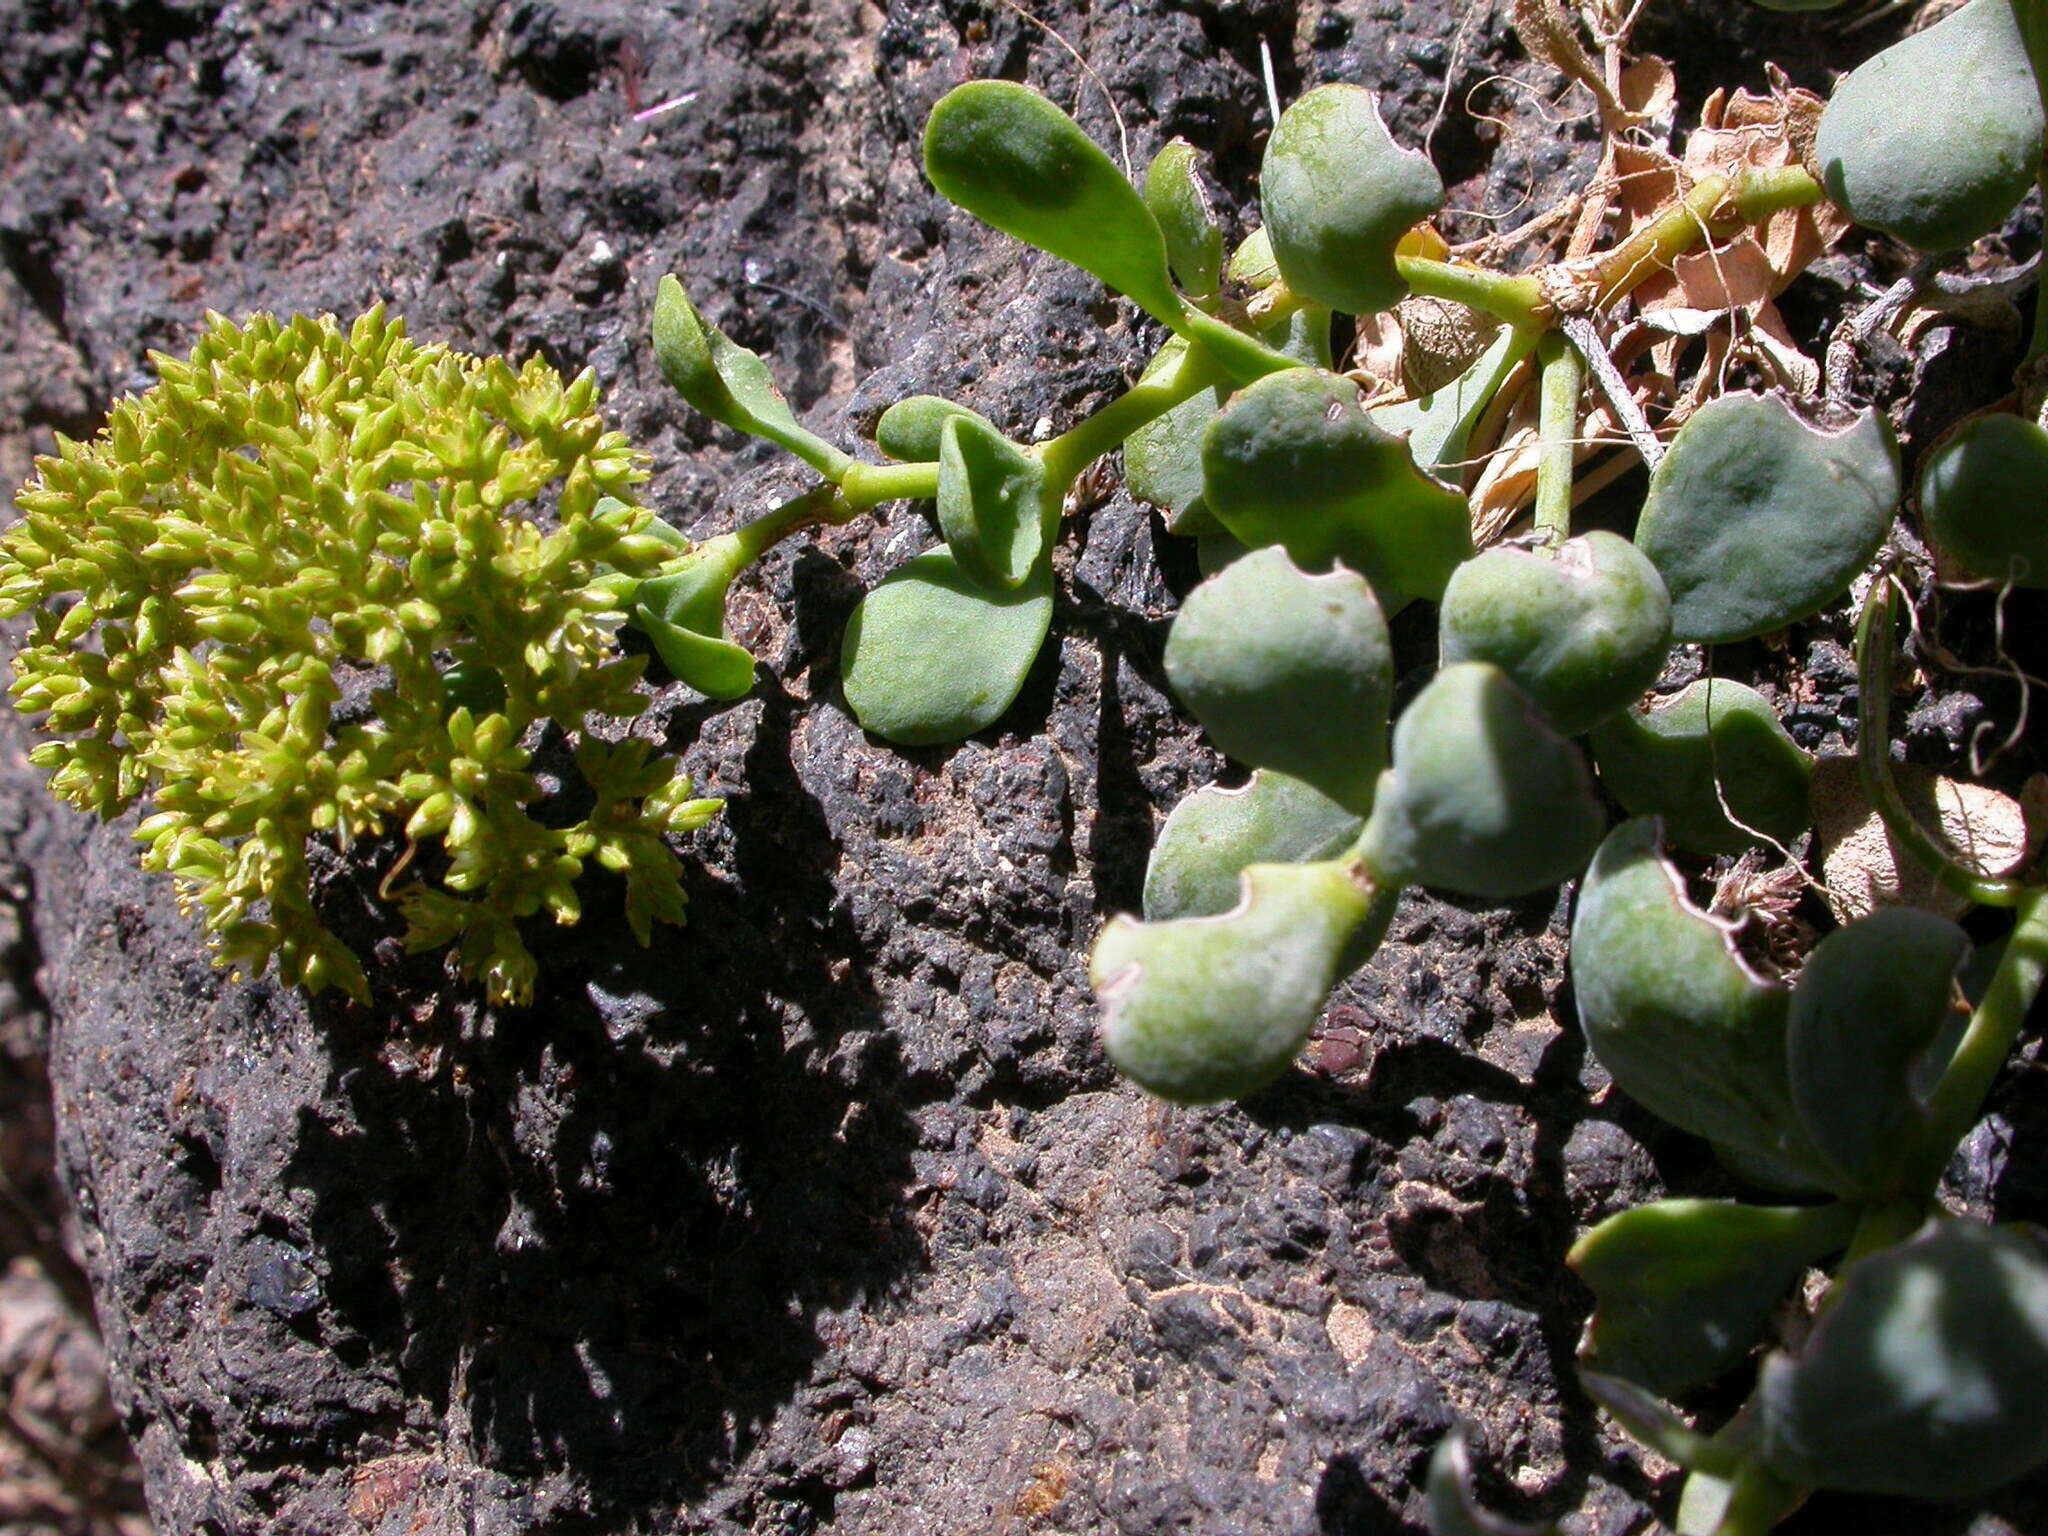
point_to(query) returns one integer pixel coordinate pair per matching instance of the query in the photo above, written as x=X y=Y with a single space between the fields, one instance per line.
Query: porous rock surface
x=825 y=1213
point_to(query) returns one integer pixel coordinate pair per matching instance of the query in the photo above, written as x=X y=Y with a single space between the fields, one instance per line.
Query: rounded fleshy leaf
x=1014 y=160
x=930 y=656
x=1923 y=1377
x=1337 y=194
x=1679 y=1020
x=1936 y=139
x=1981 y=499
x=1294 y=460
x=728 y=382
x=682 y=613
x=1685 y=1288
x=993 y=506
x=1180 y=205
x=1583 y=629
x=1484 y=797
x=1875 y=998
x=909 y=430
x=1208 y=1008
x=1715 y=743
x=1215 y=834
x=1289 y=671
x=1756 y=519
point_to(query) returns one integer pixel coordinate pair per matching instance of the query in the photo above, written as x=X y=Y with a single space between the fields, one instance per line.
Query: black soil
x=825 y=1213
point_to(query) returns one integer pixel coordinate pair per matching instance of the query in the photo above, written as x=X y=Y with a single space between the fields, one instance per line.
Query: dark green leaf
x=682 y=613
x=1215 y=834
x=1874 y=998
x=1684 y=1288
x=1294 y=460
x=1288 y=671
x=1715 y=741
x=1013 y=159
x=1338 y=194
x=1923 y=1377
x=1679 y=1020
x=1194 y=240
x=1208 y=1008
x=1756 y=519
x=1981 y=499
x=993 y=506
x=1583 y=628
x=930 y=656
x=1937 y=138
x=1484 y=797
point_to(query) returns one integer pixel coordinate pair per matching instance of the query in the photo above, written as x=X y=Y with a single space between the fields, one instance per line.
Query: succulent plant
x=301 y=590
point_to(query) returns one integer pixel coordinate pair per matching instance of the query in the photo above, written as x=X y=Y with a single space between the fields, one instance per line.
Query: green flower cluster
x=298 y=515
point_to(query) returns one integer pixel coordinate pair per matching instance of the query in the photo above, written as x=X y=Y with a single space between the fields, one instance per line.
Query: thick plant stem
x=1994 y=1029
x=1873 y=760
x=1714 y=208
x=1558 y=428
x=1517 y=299
x=869 y=485
x=750 y=541
x=1065 y=456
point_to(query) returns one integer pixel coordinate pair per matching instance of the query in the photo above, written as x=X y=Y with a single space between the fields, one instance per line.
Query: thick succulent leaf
x=1583 y=629
x=1937 y=138
x=1684 y=1288
x=1982 y=502
x=1681 y=1023
x=993 y=505
x=1484 y=797
x=1874 y=998
x=1252 y=263
x=682 y=613
x=1215 y=834
x=1454 y=1507
x=1217 y=552
x=930 y=656
x=1014 y=160
x=1208 y=1008
x=1438 y=426
x=1923 y=1376
x=1163 y=458
x=1337 y=194
x=1756 y=519
x=909 y=430
x=1294 y=460
x=728 y=382
x=1289 y=671
x=1715 y=742
x=1194 y=240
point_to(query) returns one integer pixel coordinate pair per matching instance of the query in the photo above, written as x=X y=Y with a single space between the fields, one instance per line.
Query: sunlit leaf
x=1937 y=138
x=1207 y=1008
x=993 y=504
x=1337 y=194
x=1289 y=671
x=1715 y=743
x=1483 y=797
x=1583 y=629
x=1756 y=519
x=1180 y=205
x=909 y=430
x=682 y=613
x=1215 y=834
x=1294 y=460
x=931 y=656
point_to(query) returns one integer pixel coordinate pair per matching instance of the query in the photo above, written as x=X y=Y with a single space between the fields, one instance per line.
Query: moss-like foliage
x=297 y=514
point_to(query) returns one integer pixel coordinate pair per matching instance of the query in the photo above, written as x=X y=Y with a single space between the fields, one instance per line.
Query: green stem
x=1987 y=1044
x=1515 y=298
x=1873 y=760
x=869 y=485
x=1557 y=426
x=1766 y=190
x=1715 y=207
x=1757 y=1501
x=1065 y=456
x=748 y=542
x=1880 y=1227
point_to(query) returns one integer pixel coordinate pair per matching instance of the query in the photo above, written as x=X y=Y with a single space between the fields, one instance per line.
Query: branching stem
x=1557 y=425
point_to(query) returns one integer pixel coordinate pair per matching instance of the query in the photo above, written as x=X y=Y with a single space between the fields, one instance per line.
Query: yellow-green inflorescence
x=294 y=508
